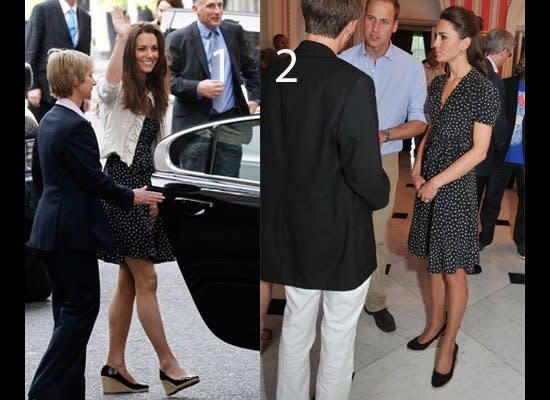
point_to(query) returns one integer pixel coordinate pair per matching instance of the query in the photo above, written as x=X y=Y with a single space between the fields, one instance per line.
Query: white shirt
x=493 y=64
x=71 y=106
x=66 y=7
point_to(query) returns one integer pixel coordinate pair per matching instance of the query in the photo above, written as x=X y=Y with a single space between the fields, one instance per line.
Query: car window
x=231 y=150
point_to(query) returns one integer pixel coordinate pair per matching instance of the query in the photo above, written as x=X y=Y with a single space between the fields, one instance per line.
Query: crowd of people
x=327 y=195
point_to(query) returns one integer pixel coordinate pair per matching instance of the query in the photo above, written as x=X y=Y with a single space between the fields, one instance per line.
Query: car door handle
x=181 y=199
x=199 y=206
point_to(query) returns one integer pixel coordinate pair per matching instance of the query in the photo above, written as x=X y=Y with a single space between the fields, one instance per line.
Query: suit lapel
x=198 y=48
x=62 y=22
x=230 y=42
x=81 y=23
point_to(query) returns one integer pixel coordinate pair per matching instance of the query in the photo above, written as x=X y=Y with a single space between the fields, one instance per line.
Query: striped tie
x=72 y=26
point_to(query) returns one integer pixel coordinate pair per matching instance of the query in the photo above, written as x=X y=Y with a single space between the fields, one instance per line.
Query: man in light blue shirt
x=400 y=85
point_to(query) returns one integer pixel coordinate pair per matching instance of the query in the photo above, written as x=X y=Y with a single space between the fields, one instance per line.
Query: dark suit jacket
x=500 y=130
x=321 y=173
x=511 y=86
x=48 y=29
x=69 y=215
x=189 y=66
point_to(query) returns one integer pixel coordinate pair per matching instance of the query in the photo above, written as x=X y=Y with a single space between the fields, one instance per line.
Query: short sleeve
x=487 y=104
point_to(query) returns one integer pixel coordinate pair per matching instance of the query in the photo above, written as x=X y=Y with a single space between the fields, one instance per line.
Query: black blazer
x=511 y=86
x=321 y=174
x=48 y=29
x=500 y=129
x=69 y=215
x=189 y=66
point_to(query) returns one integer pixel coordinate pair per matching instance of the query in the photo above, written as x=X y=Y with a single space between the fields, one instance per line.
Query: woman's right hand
x=418 y=181
x=121 y=21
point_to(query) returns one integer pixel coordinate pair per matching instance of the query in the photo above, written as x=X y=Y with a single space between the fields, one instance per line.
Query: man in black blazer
x=192 y=79
x=321 y=179
x=506 y=164
x=48 y=28
x=499 y=44
x=70 y=224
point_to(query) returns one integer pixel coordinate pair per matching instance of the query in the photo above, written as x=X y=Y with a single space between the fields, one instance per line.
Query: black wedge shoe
x=417 y=346
x=172 y=386
x=438 y=379
x=113 y=382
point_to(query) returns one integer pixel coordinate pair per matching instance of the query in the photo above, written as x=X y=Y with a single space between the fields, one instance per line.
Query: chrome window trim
x=164 y=164
x=208 y=183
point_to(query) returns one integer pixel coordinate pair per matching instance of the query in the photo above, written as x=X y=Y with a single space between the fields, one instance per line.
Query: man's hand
x=211 y=88
x=34 y=96
x=142 y=196
x=252 y=106
x=381 y=138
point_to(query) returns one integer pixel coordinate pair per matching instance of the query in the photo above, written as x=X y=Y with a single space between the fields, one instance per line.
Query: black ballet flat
x=417 y=346
x=113 y=382
x=438 y=379
x=172 y=386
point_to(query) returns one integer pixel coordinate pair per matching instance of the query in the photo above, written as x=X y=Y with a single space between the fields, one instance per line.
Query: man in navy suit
x=70 y=225
x=53 y=24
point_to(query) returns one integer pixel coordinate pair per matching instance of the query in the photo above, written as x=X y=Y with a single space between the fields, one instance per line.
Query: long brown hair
x=157 y=82
x=467 y=24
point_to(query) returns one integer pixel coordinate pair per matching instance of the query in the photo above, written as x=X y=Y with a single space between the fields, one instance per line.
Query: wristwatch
x=386 y=133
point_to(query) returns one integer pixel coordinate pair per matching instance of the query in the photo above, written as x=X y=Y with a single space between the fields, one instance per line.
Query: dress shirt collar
x=66 y=7
x=71 y=106
x=493 y=64
x=205 y=31
x=389 y=54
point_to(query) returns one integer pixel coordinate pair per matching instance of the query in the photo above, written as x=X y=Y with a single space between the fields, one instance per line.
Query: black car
x=37 y=283
x=210 y=176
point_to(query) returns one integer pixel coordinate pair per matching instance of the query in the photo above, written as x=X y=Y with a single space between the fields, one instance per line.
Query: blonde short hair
x=67 y=69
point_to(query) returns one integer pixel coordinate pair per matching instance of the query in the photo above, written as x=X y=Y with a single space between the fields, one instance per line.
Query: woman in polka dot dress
x=462 y=108
x=133 y=98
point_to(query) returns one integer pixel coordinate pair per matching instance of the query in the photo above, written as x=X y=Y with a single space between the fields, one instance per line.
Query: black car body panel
x=213 y=224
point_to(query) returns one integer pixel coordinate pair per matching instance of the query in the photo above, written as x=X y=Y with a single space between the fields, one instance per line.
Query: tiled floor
x=491 y=359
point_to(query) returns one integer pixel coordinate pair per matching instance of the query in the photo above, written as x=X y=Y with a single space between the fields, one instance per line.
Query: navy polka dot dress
x=136 y=236
x=445 y=229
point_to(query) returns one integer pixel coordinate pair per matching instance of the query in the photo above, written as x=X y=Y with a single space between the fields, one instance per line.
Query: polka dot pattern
x=136 y=236
x=445 y=229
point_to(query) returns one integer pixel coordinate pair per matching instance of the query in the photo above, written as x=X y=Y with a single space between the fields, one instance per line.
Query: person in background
x=462 y=107
x=400 y=95
x=70 y=225
x=513 y=163
x=318 y=193
x=53 y=24
x=432 y=67
x=133 y=98
x=280 y=41
x=163 y=5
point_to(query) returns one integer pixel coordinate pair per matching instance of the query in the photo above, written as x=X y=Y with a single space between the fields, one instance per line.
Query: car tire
x=37 y=281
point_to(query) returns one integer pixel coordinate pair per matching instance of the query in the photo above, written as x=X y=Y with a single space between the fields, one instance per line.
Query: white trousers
x=341 y=312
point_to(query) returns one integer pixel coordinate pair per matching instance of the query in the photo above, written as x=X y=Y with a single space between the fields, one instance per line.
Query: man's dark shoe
x=521 y=251
x=483 y=243
x=477 y=270
x=384 y=320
